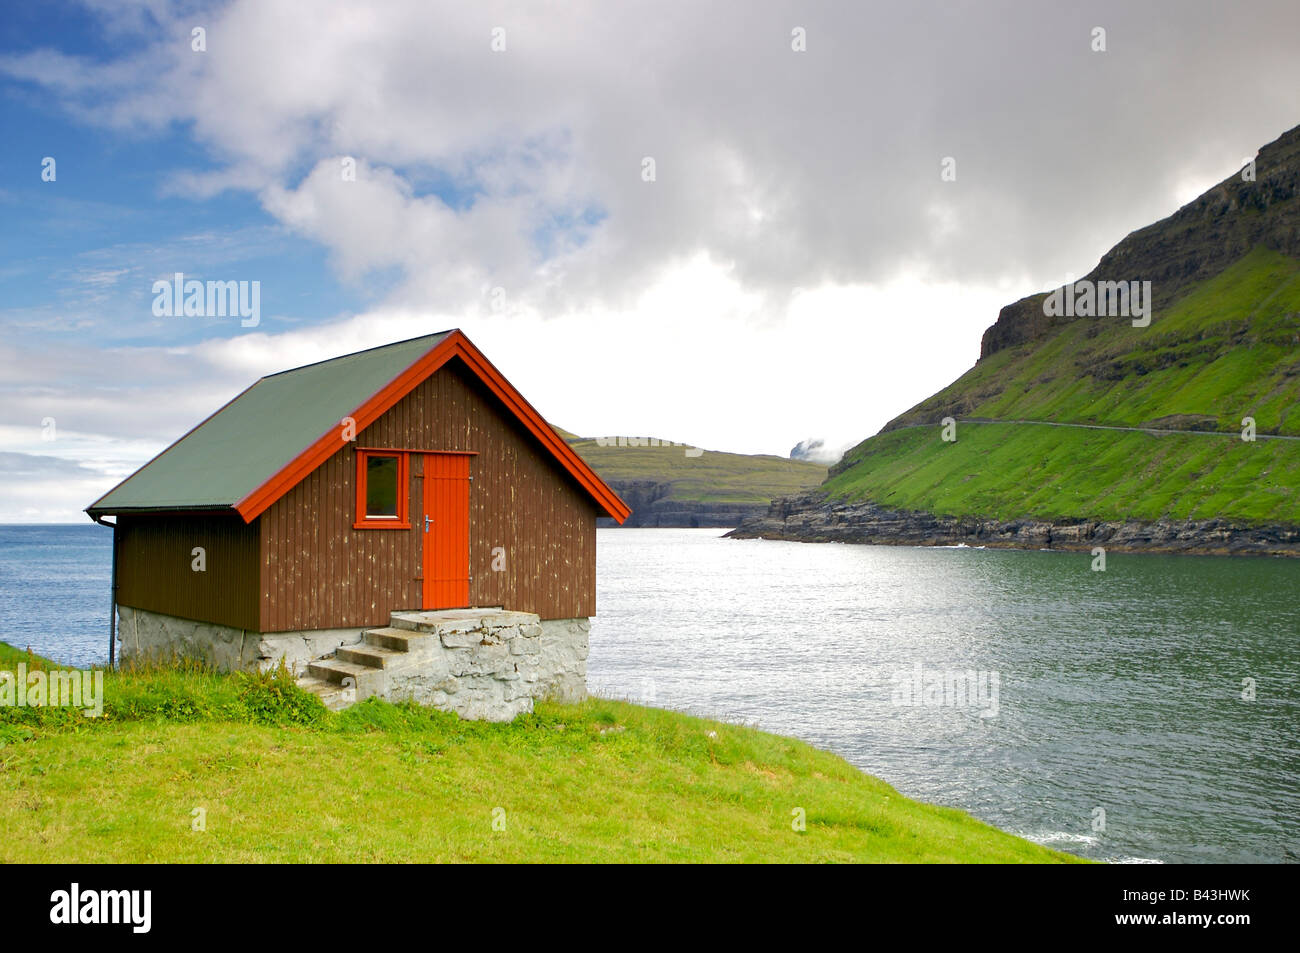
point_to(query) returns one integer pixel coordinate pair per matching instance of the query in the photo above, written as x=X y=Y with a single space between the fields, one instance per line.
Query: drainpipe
x=112 y=607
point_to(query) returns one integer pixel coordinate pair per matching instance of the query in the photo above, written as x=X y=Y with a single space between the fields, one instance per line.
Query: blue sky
x=80 y=254
x=796 y=269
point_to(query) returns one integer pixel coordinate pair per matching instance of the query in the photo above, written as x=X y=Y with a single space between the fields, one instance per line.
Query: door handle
x=427 y=521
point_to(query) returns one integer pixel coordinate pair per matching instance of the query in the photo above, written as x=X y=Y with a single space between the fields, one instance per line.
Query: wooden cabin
x=323 y=499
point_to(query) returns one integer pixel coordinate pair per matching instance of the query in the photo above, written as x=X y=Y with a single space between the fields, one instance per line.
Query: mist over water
x=1119 y=691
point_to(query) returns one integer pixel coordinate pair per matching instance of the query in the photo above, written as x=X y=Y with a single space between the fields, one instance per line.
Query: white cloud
x=797 y=268
x=796 y=168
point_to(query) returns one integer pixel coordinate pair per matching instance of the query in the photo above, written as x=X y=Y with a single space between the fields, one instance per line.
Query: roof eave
x=188 y=509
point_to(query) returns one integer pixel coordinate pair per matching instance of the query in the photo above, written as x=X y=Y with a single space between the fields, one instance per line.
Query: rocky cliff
x=653 y=504
x=669 y=484
x=1197 y=242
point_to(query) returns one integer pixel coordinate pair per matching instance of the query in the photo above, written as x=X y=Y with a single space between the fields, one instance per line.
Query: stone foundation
x=484 y=665
x=145 y=636
x=487 y=664
x=562 y=662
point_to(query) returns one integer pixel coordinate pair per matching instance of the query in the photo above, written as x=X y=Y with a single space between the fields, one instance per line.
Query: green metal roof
x=253 y=437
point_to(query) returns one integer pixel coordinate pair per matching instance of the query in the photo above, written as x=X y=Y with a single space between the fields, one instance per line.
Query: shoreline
x=816 y=518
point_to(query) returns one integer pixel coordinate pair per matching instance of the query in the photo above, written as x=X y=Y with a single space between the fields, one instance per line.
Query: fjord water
x=1118 y=690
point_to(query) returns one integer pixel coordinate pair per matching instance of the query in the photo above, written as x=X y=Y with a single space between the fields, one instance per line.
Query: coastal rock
x=814 y=517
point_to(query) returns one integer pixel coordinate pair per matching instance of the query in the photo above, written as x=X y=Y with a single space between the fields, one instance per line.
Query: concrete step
x=408 y=622
x=400 y=640
x=374 y=656
x=456 y=620
x=366 y=681
x=334 y=697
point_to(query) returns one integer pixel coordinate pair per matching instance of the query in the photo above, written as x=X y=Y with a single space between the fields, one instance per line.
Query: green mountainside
x=1040 y=420
x=1228 y=349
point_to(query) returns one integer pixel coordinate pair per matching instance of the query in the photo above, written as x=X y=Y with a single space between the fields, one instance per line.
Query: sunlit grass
x=1009 y=471
x=277 y=778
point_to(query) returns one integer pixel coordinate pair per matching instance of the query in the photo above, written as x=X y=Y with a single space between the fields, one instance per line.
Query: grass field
x=276 y=778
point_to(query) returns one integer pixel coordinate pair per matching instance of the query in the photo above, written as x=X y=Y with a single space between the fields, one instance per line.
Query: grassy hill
x=280 y=779
x=1034 y=438
x=719 y=489
x=1227 y=349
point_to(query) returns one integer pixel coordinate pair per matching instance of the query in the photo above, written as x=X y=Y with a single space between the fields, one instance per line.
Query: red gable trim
x=605 y=497
x=455 y=344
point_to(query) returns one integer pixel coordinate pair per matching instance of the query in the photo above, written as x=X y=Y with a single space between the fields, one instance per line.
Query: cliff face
x=652 y=505
x=813 y=518
x=1197 y=242
x=669 y=484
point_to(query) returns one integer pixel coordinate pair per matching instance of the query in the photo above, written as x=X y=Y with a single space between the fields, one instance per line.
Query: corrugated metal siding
x=155 y=560
x=319 y=572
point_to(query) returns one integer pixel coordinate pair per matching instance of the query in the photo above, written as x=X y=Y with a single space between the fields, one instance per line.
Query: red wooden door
x=446 y=531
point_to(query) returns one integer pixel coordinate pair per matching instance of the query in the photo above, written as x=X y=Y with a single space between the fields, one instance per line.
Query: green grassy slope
x=280 y=779
x=1227 y=348
x=712 y=477
x=1007 y=471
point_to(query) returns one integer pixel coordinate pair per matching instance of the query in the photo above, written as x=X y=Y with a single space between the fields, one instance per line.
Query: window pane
x=381 y=486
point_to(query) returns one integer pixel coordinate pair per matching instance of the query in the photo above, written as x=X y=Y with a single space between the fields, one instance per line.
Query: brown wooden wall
x=317 y=572
x=154 y=568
